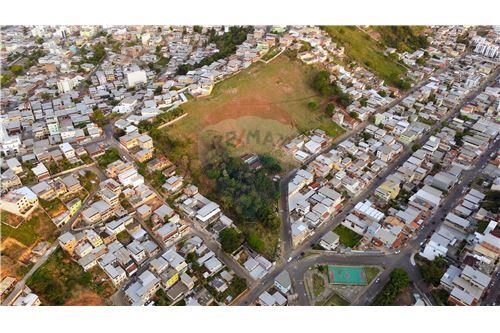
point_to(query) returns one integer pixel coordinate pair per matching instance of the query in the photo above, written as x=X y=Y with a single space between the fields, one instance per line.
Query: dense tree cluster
x=321 y=83
x=226 y=44
x=432 y=271
x=270 y=164
x=250 y=195
x=491 y=200
x=399 y=280
x=230 y=239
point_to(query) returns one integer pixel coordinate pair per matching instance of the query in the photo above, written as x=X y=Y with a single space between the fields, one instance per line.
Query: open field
x=61 y=281
x=10 y=219
x=12 y=258
x=254 y=110
x=359 y=46
x=16 y=243
x=37 y=227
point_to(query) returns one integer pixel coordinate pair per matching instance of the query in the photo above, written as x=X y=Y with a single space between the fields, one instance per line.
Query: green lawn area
x=371 y=272
x=347 y=237
x=334 y=300
x=253 y=111
x=360 y=47
x=38 y=226
x=62 y=281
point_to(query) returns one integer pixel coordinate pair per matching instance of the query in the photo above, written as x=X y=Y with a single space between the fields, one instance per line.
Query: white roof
x=477 y=276
x=266 y=299
x=40 y=169
x=30 y=195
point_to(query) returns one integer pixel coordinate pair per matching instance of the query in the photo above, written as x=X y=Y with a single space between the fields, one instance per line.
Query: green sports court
x=347 y=275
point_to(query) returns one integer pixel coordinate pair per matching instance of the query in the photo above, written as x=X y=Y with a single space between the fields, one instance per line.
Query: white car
x=289 y=259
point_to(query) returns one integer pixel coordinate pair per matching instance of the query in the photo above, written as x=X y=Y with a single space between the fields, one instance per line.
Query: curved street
x=291 y=258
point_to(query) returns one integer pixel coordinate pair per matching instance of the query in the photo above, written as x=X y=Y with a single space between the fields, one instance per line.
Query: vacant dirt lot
x=16 y=243
x=265 y=100
x=85 y=298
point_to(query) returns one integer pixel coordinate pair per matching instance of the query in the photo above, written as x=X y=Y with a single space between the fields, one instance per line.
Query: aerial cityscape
x=271 y=165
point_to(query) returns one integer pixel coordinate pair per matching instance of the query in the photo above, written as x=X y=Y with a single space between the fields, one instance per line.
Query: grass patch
x=482 y=225
x=124 y=237
x=37 y=227
x=440 y=296
x=10 y=219
x=53 y=207
x=89 y=181
x=371 y=272
x=360 y=47
x=318 y=284
x=235 y=288
x=61 y=280
x=347 y=237
x=334 y=300
x=404 y=38
x=273 y=51
x=267 y=240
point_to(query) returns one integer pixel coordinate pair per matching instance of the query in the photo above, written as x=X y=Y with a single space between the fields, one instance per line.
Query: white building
x=136 y=77
x=10 y=144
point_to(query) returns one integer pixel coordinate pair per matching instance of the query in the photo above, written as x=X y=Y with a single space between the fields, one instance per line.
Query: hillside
x=365 y=50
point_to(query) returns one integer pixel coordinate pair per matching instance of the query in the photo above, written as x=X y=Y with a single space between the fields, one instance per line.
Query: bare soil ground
x=85 y=298
x=267 y=98
x=405 y=297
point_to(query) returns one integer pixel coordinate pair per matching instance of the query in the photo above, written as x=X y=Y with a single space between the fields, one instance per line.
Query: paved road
x=328 y=225
x=20 y=284
x=215 y=247
x=447 y=205
x=286 y=246
x=493 y=296
x=195 y=227
x=391 y=261
x=67 y=227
